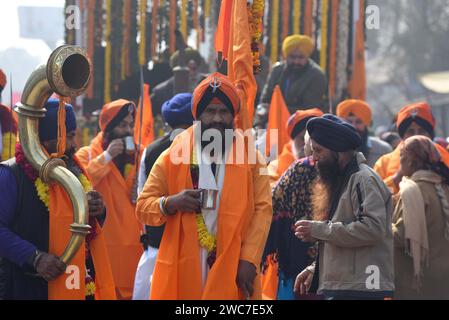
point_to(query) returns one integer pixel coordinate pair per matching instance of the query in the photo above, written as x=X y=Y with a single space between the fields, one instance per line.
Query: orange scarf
x=71 y=285
x=177 y=274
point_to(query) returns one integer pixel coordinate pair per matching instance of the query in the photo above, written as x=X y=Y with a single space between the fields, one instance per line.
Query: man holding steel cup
x=217 y=212
x=111 y=163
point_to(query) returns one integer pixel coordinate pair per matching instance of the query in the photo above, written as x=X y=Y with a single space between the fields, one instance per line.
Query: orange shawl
x=71 y=285
x=177 y=273
x=121 y=229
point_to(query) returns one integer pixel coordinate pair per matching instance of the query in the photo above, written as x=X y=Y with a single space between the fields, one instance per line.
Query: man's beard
x=220 y=127
x=323 y=188
x=329 y=172
x=70 y=162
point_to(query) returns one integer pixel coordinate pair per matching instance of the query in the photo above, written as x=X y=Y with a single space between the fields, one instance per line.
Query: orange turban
x=111 y=110
x=359 y=108
x=421 y=113
x=301 y=42
x=2 y=79
x=298 y=121
x=215 y=86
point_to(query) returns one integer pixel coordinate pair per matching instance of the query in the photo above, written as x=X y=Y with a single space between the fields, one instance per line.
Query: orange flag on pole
x=147 y=120
x=277 y=120
x=240 y=63
x=357 y=85
x=222 y=34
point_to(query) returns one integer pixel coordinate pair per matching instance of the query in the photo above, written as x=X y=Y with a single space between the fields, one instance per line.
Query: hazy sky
x=10 y=19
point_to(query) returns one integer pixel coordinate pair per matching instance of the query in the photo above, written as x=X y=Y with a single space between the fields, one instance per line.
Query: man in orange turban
x=110 y=162
x=214 y=237
x=296 y=128
x=358 y=113
x=302 y=82
x=413 y=120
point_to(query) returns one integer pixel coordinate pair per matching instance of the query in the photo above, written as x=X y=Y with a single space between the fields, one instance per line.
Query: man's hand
x=246 y=273
x=303 y=282
x=116 y=147
x=96 y=204
x=50 y=267
x=185 y=201
x=304 y=230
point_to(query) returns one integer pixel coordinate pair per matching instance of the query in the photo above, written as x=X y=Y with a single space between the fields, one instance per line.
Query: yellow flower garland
x=127 y=170
x=207 y=240
x=43 y=191
x=90 y=288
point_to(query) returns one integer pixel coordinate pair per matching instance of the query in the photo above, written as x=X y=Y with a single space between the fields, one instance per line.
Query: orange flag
x=357 y=85
x=222 y=34
x=240 y=63
x=147 y=133
x=277 y=120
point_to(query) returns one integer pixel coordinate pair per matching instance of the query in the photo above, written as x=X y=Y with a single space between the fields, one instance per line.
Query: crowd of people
x=339 y=214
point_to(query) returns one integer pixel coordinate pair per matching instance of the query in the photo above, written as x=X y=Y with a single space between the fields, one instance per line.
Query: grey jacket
x=356 y=245
x=306 y=90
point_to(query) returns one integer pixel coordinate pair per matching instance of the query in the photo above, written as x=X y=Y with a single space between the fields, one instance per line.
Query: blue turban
x=334 y=133
x=48 y=126
x=178 y=110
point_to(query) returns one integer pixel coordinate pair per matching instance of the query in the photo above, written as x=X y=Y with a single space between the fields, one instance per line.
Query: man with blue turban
x=34 y=219
x=177 y=113
x=352 y=211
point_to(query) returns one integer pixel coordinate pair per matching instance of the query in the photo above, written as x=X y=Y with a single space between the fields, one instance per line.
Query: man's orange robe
x=244 y=219
x=121 y=228
x=387 y=166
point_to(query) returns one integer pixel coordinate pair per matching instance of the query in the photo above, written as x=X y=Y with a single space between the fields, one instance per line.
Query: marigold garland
x=207 y=240
x=255 y=15
x=127 y=170
x=90 y=287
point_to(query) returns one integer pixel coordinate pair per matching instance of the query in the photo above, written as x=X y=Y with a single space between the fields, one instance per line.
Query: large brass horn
x=67 y=72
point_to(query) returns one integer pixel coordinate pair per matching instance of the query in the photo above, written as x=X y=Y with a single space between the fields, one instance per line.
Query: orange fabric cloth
x=225 y=85
x=222 y=33
x=357 y=84
x=60 y=219
x=242 y=229
x=359 y=108
x=147 y=133
x=278 y=167
x=121 y=229
x=421 y=110
x=387 y=166
x=301 y=115
x=240 y=64
x=110 y=110
x=277 y=118
x=270 y=280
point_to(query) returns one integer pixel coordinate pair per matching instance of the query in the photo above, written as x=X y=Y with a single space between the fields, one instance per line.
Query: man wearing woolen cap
x=352 y=211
